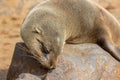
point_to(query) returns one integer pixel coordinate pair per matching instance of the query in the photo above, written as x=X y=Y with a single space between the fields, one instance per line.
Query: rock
x=22 y=62
x=77 y=62
x=27 y=76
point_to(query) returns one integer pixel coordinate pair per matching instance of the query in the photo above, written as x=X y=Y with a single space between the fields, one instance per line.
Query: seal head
x=40 y=46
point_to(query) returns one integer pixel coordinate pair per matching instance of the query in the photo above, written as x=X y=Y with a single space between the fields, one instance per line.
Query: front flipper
x=107 y=45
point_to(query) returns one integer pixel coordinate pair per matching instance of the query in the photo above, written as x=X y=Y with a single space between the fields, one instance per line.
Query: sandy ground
x=12 y=13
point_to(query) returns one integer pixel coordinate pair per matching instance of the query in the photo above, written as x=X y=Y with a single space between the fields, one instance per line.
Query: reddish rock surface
x=77 y=62
x=12 y=13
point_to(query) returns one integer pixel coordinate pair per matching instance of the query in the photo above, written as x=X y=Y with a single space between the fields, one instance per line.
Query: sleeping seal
x=51 y=24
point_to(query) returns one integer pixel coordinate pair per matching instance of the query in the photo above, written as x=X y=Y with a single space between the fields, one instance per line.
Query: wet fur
x=53 y=23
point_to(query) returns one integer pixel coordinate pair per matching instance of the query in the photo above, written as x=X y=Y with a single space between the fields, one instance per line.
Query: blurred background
x=12 y=13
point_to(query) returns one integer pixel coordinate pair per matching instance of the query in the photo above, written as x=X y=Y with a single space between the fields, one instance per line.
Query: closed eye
x=42 y=47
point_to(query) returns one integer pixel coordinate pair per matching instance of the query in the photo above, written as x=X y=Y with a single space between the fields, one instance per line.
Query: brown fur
x=52 y=23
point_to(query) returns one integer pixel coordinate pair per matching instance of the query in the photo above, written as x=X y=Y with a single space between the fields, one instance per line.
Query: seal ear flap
x=38 y=31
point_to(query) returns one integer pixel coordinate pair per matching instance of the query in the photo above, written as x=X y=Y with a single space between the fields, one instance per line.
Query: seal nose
x=52 y=63
x=53 y=66
x=50 y=70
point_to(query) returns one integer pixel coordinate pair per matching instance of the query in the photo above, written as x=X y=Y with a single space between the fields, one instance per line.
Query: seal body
x=51 y=24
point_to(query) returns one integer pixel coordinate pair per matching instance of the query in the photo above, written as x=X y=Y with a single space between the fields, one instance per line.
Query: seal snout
x=50 y=70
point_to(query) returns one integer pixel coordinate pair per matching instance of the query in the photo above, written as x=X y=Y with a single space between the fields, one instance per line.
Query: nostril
x=50 y=70
x=53 y=66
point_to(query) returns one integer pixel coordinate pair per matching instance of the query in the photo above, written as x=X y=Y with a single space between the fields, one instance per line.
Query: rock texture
x=22 y=62
x=27 y=76
x=77 y=62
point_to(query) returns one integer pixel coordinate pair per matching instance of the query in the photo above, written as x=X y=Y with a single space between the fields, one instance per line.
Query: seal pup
x=51 y=24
